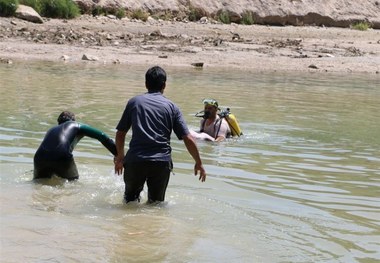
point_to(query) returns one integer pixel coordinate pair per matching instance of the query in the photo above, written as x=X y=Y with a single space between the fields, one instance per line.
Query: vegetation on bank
x=46 y=8
x=224 y=17
x=247 y=18
x=362 y=26
x=194 y=14
x=8 y=7
x=140 y=15
x=68 y=9
x=100 y=11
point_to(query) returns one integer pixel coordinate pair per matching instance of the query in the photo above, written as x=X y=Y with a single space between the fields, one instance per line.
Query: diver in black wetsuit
x=54 y=156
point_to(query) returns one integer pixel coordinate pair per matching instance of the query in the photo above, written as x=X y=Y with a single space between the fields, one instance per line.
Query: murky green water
x=302 y=184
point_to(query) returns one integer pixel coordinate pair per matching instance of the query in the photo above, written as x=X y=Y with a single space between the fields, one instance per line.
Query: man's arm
x=120 y=141
x=201 y=136
x=100 y=136
x=193 y=150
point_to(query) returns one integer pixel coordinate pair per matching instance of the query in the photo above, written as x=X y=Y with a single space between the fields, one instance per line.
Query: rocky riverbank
x=335 y=13
x=106 y=39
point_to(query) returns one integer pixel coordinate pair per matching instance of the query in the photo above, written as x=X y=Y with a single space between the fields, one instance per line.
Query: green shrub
x=98 y=11
x=120 y=13
x=140 y=14
x=247 y=18
x=46 y=8
x=363 y=26
x=59 y=9
x=194 y=14
x=164 y=15
x=54 y=8
x=224 y=17
x=8 y=7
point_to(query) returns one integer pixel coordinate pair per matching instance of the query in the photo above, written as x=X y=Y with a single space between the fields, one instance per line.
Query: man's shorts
x=155 y=174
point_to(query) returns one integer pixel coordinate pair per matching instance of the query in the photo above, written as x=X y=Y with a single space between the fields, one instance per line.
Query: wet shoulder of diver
x=54 y=156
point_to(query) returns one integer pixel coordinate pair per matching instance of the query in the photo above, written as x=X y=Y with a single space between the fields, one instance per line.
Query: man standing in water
x=152 y=118
x=54 y=156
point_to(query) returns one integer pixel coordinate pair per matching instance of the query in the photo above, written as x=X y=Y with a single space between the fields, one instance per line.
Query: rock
x=111 y=17
x=89 y=57
x=197 y=65
x=151 y=20
x=193 y=50
x=235 y=36
x=156 y=33
x=64 y=57
x=170 y=48
x=203 y=20
x=217 y=42
x=14 y=23
x=353 y=52
x=235 y=17
x=163 y=56
x=6 y=61
x=29 y=14
x=302 y=56
x=313 y=66
x=184 y=36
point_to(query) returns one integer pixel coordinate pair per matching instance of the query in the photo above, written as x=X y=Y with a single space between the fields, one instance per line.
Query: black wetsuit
x=54 y=156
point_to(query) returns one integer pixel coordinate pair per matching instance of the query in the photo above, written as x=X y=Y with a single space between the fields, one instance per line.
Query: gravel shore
x=133 y=42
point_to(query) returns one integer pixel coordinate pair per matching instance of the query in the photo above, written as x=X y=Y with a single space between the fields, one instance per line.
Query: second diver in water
x=212 y=126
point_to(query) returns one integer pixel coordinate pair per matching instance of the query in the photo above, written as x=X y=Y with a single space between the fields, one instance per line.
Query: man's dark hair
x=155 y=78
x=66 y=116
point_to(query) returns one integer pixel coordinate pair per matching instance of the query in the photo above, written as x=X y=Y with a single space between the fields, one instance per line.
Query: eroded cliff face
x=338 y=13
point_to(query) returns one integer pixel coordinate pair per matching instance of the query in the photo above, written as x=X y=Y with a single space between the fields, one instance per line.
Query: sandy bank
x=258 y=48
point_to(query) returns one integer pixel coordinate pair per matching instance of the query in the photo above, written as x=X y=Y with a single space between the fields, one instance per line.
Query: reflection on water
x=301 y=185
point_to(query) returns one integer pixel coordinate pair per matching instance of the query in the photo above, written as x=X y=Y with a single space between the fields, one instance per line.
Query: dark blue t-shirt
x=152 y=117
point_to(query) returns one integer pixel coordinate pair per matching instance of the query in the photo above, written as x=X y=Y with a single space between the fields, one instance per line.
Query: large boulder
x=29 y=14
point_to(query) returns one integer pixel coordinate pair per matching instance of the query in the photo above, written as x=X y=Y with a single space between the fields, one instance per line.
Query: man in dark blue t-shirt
x=152 y=118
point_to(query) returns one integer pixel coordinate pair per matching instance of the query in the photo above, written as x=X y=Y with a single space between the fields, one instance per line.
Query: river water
x=301 y=185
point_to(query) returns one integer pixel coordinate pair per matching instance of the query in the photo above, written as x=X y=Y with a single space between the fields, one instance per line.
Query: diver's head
x=211 y=108
x=66 y=116
x=155 y=79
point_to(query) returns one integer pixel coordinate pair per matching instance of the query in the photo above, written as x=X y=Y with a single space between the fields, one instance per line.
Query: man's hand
x=193 y=150
x=118 y=160
x=118 y=165
x=202 y=172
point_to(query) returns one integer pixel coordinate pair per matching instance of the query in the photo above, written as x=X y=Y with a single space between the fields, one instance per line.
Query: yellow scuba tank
x=234 y=125
x=232 y=122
